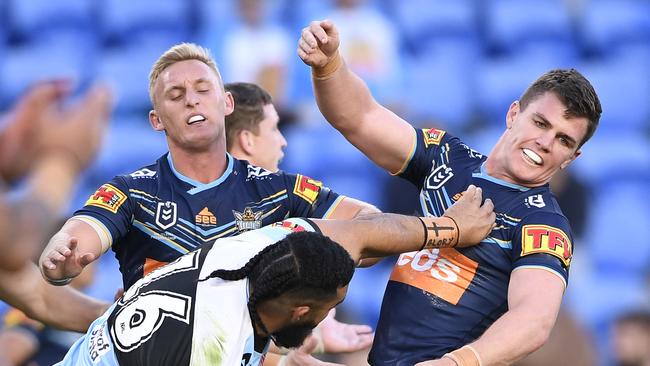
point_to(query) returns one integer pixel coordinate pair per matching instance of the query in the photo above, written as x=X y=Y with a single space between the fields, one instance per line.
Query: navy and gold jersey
x=156 y=214
x=439 y=300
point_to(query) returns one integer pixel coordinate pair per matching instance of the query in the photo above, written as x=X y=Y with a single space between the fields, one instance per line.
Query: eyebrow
x=181 y=87
x=561 y=134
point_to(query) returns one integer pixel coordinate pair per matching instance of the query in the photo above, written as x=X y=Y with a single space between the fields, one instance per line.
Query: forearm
x=75 y=310
x=388 y=234
x=61 y=307
x=525 y=332
x=343 y=98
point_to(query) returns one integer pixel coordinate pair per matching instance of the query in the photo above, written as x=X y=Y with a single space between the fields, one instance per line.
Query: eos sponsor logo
x=257 y=172
x=445 y=273
x=205 y=218
x=143 y=173
x=248 y=220
x=439 y=176
x=535 y=201
x=107 y=197
x=166 y=213
x=433 y=136
x=548 y=240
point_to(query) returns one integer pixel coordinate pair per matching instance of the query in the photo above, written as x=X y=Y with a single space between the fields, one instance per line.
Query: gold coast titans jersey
x=155 y=214
x=441 y=299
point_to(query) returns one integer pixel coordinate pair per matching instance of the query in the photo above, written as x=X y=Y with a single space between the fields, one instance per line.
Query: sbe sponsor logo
x=445 y=273
x=307 y=188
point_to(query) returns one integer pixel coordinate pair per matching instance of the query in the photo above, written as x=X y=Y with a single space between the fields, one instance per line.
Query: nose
x=283 y=141
x=545 y=141
x=191 y=98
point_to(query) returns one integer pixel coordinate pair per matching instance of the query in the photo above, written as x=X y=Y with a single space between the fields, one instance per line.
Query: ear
x=299 y=312
x=571 y=159
x=155 y=121
x=246 y=141
x=511 y=116
x=229 y=103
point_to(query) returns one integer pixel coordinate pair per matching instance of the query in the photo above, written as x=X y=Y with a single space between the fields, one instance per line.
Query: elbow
x=540 y=333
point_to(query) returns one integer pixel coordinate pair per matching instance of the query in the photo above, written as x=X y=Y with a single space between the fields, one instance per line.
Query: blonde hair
x=178 y=53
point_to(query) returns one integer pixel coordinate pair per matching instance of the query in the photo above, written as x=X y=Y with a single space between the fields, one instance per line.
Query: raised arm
x=345 y=101
x=465 y=223
x=60 y=307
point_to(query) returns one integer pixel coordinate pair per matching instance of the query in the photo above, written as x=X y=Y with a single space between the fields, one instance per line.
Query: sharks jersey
x=174 y=316
x=441 y=299
x=155 y=214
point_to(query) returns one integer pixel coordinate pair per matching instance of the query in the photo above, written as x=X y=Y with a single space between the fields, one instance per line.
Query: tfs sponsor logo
x=546 y=239
x=445 y=273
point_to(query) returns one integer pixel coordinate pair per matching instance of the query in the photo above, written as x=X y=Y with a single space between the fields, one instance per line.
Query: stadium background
x=455 y=64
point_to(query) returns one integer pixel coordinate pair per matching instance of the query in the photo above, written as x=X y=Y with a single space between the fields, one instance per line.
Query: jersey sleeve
x=544 y=240
x=309 y=197
x=108 y=210
x=426 y=150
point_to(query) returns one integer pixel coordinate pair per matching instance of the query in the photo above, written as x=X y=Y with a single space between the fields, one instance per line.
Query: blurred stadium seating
x=463 y=63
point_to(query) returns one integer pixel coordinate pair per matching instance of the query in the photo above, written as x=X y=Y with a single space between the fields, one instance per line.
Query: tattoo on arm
x=439 y=232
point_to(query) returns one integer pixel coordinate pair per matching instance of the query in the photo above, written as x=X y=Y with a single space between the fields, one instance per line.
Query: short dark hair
x=639 y=317
x=250 y=100
x=304 y=264
x=574 y=91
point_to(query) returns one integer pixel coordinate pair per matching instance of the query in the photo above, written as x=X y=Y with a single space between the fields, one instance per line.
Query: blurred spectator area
x=455 y=64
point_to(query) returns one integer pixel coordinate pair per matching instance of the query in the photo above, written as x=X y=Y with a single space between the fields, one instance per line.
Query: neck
x=202 y=166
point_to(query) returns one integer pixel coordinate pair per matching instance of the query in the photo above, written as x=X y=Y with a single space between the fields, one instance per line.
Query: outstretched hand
x=318 y=43
x=302 y=356
x=62 y=259
x=340 y=337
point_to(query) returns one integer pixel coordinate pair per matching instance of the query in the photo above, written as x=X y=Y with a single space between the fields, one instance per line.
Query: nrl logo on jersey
x=143 y=173
x=248 y=220
x=256 y=172
x=439 y=176
x=535 y=200
x=166 y=214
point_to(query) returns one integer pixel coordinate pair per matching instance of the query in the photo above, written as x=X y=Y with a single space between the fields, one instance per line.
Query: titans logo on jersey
x=155 y=214
x=441 y=299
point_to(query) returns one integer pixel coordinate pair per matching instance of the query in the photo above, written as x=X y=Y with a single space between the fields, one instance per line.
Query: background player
x=510 y=286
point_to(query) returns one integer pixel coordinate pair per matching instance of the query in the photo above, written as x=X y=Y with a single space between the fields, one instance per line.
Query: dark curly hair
x=304 y=264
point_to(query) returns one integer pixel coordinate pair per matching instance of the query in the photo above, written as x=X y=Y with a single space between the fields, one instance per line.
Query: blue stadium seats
x=29 y=63
x=127 y=68
x=512 y=24
x=440 y=82
x=124 y=21
x=502 y=80
x=623 y=86
x=31 y=19
x=608 y=25
x=421 y=21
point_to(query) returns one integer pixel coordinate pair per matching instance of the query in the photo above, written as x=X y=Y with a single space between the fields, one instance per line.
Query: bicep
x=537 y=290
x=385 y=138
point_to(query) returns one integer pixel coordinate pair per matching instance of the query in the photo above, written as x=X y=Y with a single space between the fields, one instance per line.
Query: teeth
x=196 y=118
x=534 y=157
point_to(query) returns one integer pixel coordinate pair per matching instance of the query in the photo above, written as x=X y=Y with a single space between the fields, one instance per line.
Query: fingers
x=309 y=38
x=317 y=31
x=361 y=329
x=86 y=259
